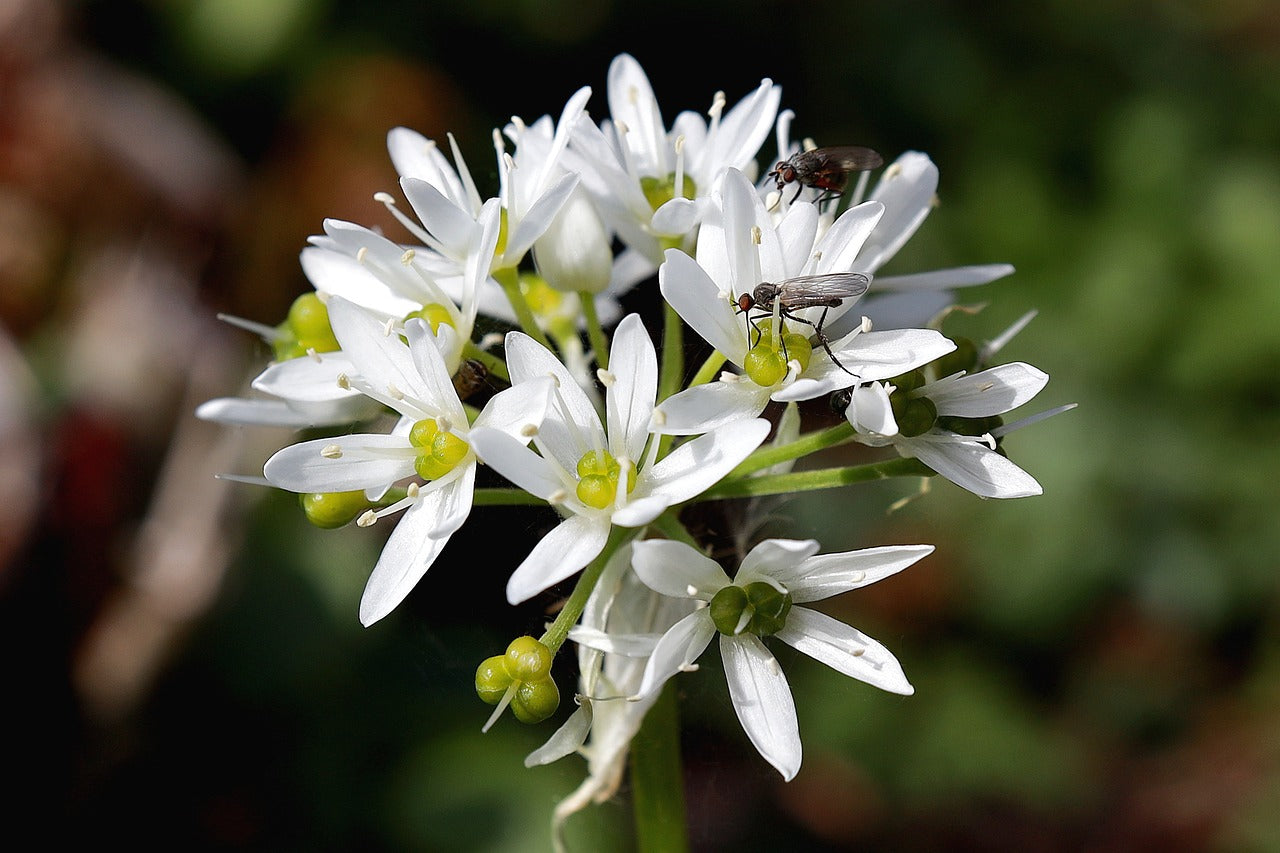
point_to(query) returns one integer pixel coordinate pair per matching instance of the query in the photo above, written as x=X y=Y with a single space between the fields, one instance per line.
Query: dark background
x=1095 y=668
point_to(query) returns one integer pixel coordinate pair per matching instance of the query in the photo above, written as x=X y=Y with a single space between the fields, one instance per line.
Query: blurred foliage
x=1095 y=668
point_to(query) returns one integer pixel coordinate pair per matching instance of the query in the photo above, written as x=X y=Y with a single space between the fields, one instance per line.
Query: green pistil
x=439 y=451
x=766 y=362
x=306 y=328
x=659 y=191
x=434 y=314
x=331 y=510
x=598 y=475
x=757 y=608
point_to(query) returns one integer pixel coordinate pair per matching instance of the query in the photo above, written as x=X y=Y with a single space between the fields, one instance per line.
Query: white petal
x=774 y=557
x=634 y=366
x=825 y=575
x=348 y=462
x=514 y=410
x=415 y=156
x=974 y=466
x=572 y=420
x=382 y=360
x=743 y=129
x=679 y=647
x=561 y=553
x=705 y=407
x=538 y=218
x=336 y=273
x=697 y=299
x=512 y=459
x=880 y=355
x=944 y=279
x=697 y=465
x=840 y=246
x=455 y=504
x=236 y=410
x=988 y=392
x=675 y=569
x=631 y=102
x=566 y=740
x=427 y=351
x=411 y=549
x=870 y=410
x=640 y=511
x=763 y=701
x=444 y=221
x=677 y=216
x=907 y=310
x=906 y=189
x=845 y=649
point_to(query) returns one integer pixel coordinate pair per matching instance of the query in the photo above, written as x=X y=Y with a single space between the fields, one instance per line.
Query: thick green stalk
x=668 y=524
x=599 y=343
x=807 y=481
x=709 y=369
x=509 y=278
x=672 y=353
x=568 y=616
x=657 y=781
x=767 y=457
x=505 y=497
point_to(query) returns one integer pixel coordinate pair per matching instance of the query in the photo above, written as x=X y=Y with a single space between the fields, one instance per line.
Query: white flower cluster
x=616 y=440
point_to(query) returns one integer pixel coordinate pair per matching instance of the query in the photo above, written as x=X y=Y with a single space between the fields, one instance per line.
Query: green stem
x=767 y=457
x=657 y=783
x=496 y=366
x=505 y=497
x=709 y=369
x=672 y=353
x=568 y=616
x=595 y=332
x=668 y=524
x=807 y=481
x=509 y=278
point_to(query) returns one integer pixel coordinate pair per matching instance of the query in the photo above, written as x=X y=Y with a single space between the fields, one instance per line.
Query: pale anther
x=412 y=490
x=344 y=382
x=892 y=172
x=773 y=666
x=362 y=254
x=857 y=653
x=313 y=355
x=367 y=518
x=529 y=430
x=756 y=235
x=393 y=392
x=659 y=417
x=408 y=256
x=691 y=590
x=383 y=198
x=606 y=378
x=559 y=496
x=444 y=424
x=388 y=327
x=679 y=145
x=726 y=376
x=621 y=127
x=987 y=387
x=331 y=451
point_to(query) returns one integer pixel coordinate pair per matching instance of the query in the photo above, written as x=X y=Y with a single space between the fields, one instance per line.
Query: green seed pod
x=764 y=365
x=915 y=415
x=798 y=348
x=527 y=659
x=726 y=609
x=597 y=490
x=963 y=357
x=535 y=700
x=492 y=679
x=330 y=510
x=770 y=608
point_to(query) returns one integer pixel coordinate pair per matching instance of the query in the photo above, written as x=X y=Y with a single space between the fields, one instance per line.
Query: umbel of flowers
x=577 y=409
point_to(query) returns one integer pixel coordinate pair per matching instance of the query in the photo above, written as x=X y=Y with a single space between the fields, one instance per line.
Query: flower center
x=914 y=415
x=548 y=305
x=598 y=475
x=305 y=328
x=758 y=608
x=766 y=362
x=434 y=314
x=439 y=451
x=659 y=191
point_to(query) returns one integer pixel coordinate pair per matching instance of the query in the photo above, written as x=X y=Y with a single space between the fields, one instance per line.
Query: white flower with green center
x=952 y=424
x=737 y=250
x=763 y=601
x=651 y=184
x=601 y=474
x=432 y=441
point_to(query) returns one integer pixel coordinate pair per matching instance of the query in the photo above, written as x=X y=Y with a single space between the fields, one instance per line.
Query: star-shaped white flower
x=600 y=474
x=969 y=461
x=301 y=392
x=739 y=249
x=411 y=379
x=652 y=184
x=761 y=600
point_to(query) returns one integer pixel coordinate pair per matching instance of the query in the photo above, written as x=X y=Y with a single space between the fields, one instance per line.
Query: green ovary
x=439 y=452
x=598 y=475
x=305 y=328
x=757 y=608
x=659 y=191
x=434 y=314
x=766 y=362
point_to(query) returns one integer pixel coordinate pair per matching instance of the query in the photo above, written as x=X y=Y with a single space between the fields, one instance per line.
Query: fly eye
x=745 y=302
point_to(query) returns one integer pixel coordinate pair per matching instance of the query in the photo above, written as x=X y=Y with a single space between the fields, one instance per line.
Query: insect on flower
x=470 y=377
x=826 y=169
x=805 y=291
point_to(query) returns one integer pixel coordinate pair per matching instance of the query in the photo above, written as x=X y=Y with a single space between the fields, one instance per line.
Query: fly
x=470 y=377
x=826 y=169
x=805 y=291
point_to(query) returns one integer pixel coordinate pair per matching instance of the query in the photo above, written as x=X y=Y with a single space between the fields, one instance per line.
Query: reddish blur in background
x=1095 y=668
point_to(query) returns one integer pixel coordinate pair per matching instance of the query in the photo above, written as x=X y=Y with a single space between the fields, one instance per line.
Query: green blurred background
x=1095 y=668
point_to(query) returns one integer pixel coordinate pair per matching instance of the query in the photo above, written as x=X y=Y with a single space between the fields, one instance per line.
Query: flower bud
x=575 y=254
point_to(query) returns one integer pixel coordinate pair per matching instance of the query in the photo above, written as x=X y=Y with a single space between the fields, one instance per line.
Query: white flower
x=969 y=461
x=618 y=630
x=774 y=577
x=302 y=392
x=432 y=440
x=651 y=184
x=600 y=474
x=738 y=250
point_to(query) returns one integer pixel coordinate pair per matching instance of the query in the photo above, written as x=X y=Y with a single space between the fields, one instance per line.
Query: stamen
x=529 y=430
x=362 y=254
x=857 y=653
x=756 y=236
x=393 y=392
x=409 y=224
x=987 y=387
x=997 y=343
x=490 y=340
x=659 y=417
x=267 y=333
x=384 y=198
x=314 y=356
x=344 y=382
x=557 y=497
x=774 y=667
x=412 y=490
x=388 y=327
x=331 y=451
x=408 y=256
x=860 y=188
x=444 y=424
x=894 y=171
x=679 y=181
x=367 y=519
x=726 y=376
x=691 y=590
x=606 y=378
x=688 y=667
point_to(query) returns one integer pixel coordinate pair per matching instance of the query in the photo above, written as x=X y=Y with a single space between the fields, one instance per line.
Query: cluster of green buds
x=598 y=476
x=766 y=362
x=523 y=673
x=305 y=329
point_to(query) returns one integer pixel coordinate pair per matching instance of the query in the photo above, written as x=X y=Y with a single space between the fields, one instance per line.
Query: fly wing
x=809 y=291
x=845 y=158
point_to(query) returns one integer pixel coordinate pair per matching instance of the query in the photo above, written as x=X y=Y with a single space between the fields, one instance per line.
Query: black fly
x=805 y=291
x=826 y=169
x=470 y=377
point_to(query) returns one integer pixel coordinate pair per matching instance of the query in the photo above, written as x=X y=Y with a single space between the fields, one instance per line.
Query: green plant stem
x=668 y=524
x=657 y=781
x=496 y=366
x=709 y=369
x=509 y=278
x=672 y=352
x=767 y=457
x=599 y=343
x=807 y=481
x=568 y=616
x=505 y=497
